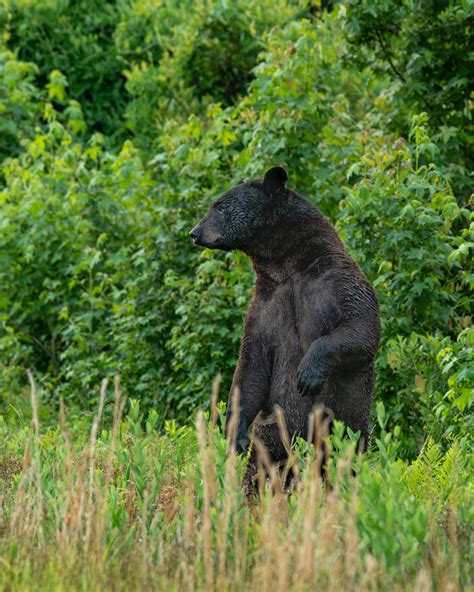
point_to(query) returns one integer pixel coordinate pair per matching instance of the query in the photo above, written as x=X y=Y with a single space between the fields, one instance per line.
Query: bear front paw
x=310 y=383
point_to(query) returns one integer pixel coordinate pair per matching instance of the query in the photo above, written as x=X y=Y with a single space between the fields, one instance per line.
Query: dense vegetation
x=126 y=508
x=119 y=122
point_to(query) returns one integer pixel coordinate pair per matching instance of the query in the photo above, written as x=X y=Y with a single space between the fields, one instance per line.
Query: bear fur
x=313 y=326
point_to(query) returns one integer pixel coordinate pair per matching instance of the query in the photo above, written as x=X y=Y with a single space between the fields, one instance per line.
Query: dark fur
x=312 y=328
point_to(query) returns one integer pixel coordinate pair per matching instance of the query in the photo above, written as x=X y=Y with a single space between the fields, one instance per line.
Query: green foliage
x=425 y=48
x=63 y=254
x=20 y=102
x=222 y=56
x=402 y=223
x=208 y=52
x=97 y=273
x=199 y=304
x=75 y=37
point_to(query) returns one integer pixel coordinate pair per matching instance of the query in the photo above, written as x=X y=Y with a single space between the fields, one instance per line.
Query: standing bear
x=312 y=328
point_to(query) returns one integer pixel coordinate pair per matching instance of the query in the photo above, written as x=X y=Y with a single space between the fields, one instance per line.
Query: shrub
x=402 y=223
x=75 y=37
x=424 y=49
x=66 y=213
x=21 y=102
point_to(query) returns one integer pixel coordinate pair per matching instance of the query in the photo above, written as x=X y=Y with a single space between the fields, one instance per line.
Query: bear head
x=236 y=218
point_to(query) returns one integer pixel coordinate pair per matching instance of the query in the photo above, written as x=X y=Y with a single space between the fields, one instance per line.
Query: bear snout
x=206 y=235
x=194 y=234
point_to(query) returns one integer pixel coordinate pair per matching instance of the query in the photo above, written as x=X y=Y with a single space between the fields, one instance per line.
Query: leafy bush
x=98 y=273
x=222 y=56
x=425 y=49
x=63 y=253
x=77 y=39
x=402 y=223
x=207 y=54
x=20 y=102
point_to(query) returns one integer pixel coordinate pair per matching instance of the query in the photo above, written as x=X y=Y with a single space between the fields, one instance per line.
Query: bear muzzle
x=194 y=234
x=205 y=236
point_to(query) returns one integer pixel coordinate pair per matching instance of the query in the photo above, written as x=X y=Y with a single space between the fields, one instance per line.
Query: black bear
x=313 y=326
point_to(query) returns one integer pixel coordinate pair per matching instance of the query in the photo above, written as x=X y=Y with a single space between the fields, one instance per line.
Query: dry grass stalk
x=291 y=465
x=18 y=524
x=230 y=507
x=94 y=430
x=119 y=406
x=209 y=486
x=266 y=468
x=93 y=498
x=28 y=511
x=216 y=385
x=234 y=420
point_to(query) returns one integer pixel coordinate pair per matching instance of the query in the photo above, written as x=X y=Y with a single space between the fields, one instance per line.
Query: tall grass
x=128 y=509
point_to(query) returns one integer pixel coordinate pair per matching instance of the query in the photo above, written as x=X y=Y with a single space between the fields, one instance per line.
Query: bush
x=402 y=223
x=20 y=102
x=424 y=47
x=77 y=39
x=99 y=275
x=222 y=57
x=207 y=55
x=66 y=212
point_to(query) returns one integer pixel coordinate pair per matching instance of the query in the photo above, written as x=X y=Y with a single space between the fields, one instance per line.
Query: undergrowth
x=123 y=507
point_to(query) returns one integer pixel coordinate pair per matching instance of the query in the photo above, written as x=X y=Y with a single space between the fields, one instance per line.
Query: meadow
x=124 y=508
x=120 y=122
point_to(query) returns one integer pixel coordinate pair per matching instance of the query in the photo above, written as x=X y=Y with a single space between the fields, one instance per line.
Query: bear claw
x=310 y=387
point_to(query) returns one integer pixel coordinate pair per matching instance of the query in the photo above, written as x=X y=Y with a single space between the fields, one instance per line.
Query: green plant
x=20 y=102
x=423 y=47
x=77 y=39
x=404 y=226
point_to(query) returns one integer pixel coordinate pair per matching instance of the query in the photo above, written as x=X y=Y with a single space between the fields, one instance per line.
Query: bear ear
x=275 y=179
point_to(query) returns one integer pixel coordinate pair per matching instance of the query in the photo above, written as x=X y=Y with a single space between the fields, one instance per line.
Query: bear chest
x=296 y=313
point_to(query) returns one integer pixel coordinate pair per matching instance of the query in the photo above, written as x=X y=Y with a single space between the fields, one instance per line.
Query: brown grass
x=198 y=532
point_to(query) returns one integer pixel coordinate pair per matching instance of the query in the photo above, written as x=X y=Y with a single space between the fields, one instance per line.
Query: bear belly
x=291 y=320
x=344 y=397
x=286 y=355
